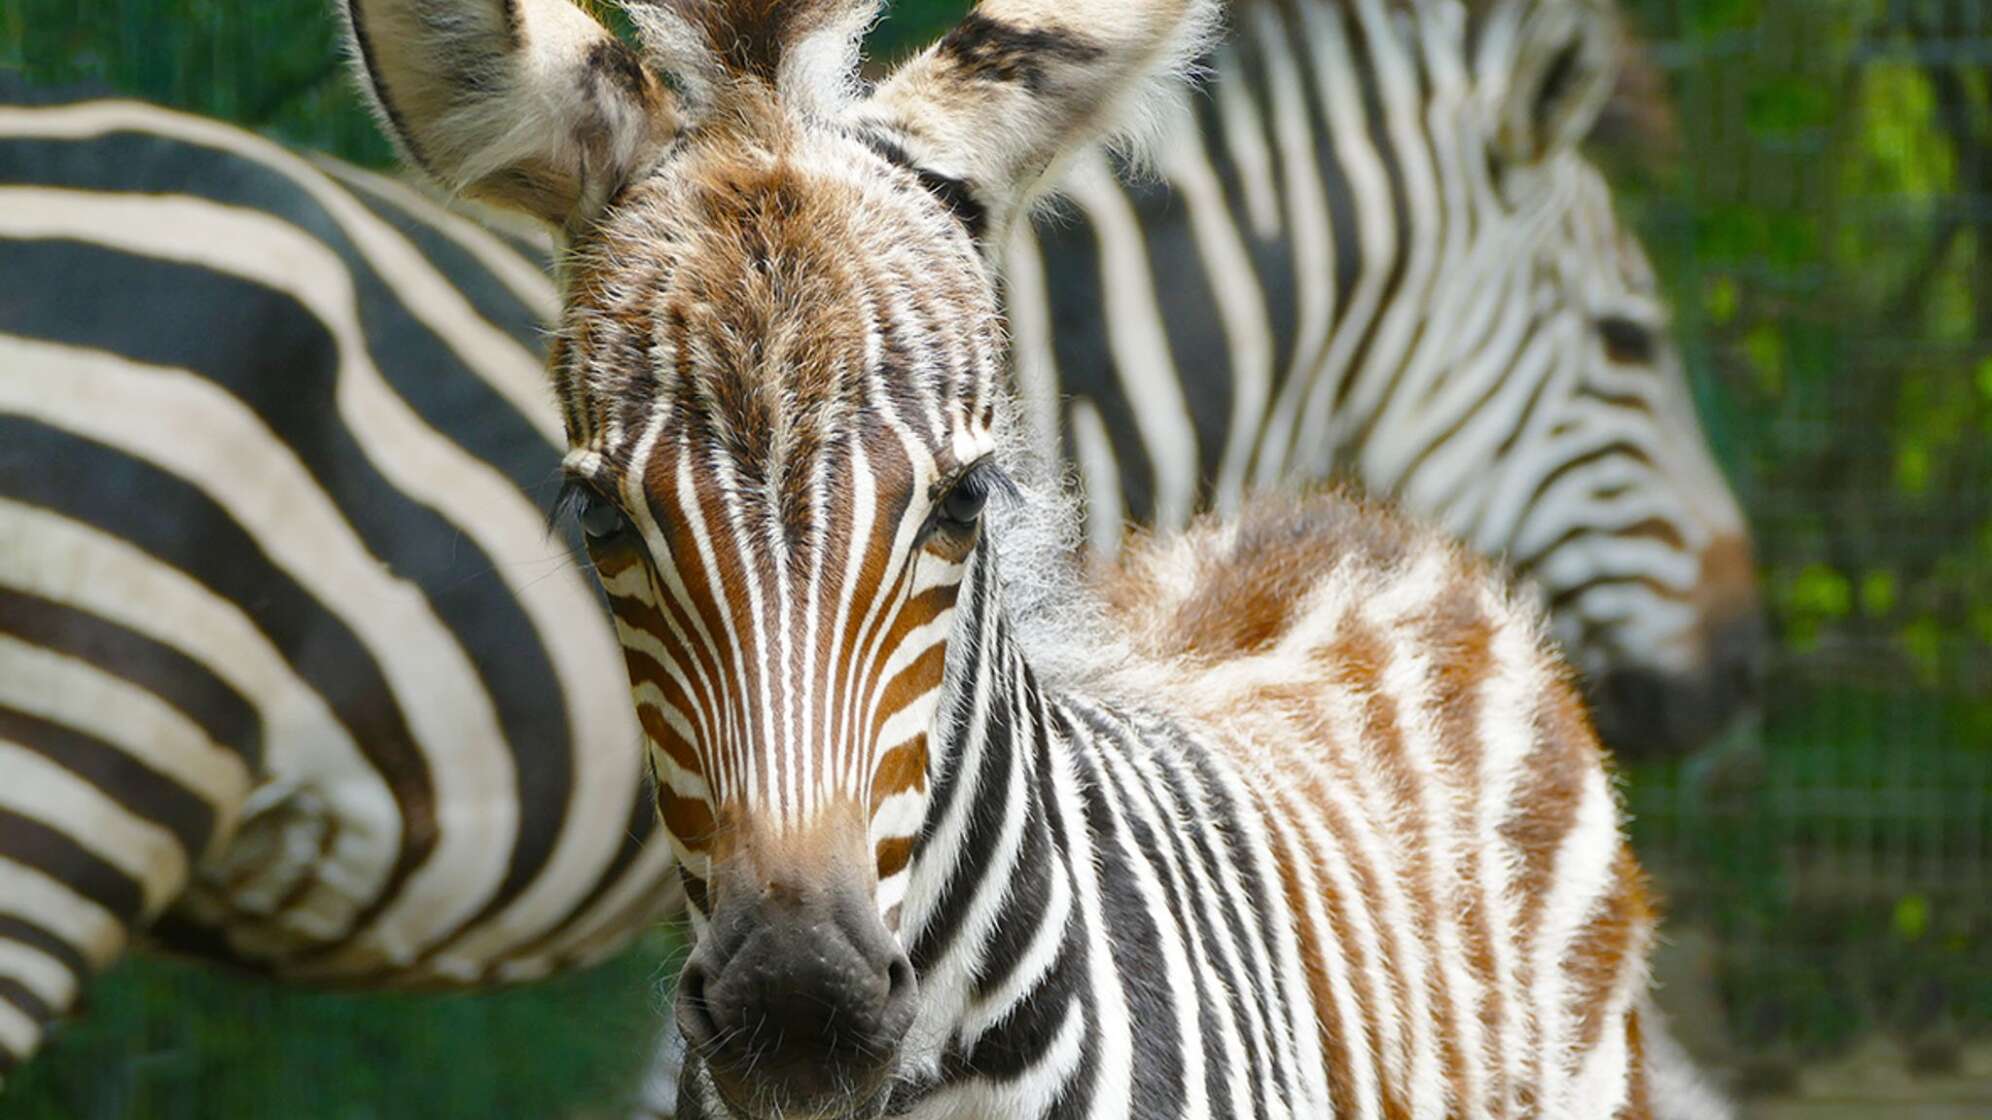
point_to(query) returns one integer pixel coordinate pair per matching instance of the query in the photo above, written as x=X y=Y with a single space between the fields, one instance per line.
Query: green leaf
x=1720 y=299
x=1912 y=917
x=1822 y=592
x=1878 y=593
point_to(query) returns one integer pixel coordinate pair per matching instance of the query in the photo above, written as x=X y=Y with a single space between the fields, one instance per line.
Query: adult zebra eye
x=600 y=519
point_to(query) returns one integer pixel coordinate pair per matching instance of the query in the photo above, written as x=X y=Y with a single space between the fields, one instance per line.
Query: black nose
x=797 y=997
x=1740 y=650
x=1643 y=714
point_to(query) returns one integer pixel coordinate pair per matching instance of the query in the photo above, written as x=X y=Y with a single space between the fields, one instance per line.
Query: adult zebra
x=1373 y=249
x=288 y=670
x=1306 y=821
x=159 y=605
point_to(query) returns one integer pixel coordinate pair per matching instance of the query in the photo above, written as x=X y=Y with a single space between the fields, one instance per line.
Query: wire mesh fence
x=1814 y=181
x=1822 y=227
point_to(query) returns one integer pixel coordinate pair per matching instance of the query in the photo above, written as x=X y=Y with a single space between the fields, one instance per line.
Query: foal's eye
x=600 y=519
x=962 y=505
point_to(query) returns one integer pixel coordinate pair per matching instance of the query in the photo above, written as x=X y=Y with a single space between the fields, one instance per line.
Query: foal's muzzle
x=796 y=998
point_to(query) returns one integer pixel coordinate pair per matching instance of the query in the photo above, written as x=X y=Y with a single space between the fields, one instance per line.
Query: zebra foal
x=1325 y=832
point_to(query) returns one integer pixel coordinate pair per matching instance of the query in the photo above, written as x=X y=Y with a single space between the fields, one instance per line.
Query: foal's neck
x=991 y=869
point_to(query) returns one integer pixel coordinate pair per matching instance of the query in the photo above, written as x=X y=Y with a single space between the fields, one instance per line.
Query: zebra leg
x=110 y=791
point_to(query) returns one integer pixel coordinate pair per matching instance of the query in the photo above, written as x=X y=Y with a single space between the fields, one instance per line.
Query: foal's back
x=1472 y=925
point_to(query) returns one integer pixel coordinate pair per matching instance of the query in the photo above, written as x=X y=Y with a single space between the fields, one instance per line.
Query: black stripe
x=182 y=682
x=637 y=831
x=1272 y=258
x=1134 y=940
x=1377 y=125
x=34 y=843
x=36 y=1008
x=283 y=364
x=1199 y=345
x=140 y=789
x=180 y=526
x=1162 y=852
x=1181 y=802
x=1074 y=291
x=21 y=931
x=492 y=298
x=956 y=196
x=989 y=804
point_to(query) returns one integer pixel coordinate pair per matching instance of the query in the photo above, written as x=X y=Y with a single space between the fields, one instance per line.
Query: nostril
x=901 y=1000
x=695 y=1019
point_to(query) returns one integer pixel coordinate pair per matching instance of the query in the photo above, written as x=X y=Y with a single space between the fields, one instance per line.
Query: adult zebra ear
x=530 y=104
x=1546 y=68
x=988 y=114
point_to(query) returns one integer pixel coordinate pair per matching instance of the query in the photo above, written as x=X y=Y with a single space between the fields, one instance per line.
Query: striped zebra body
x=1334 y=840
x=1297 y=816
x=291 y=673
x=1372 y=250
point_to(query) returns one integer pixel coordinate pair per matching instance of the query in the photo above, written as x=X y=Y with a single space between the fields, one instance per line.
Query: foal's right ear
x=530 y=104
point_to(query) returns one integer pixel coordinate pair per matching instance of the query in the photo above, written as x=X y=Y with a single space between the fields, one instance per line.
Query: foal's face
x=779 y=367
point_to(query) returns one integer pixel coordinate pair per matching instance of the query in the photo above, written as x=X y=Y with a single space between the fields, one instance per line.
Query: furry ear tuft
x=529 y=104
x=1020 y=86
x=807 y=50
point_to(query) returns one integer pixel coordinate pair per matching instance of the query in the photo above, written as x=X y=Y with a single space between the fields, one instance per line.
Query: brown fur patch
x=1246 y=586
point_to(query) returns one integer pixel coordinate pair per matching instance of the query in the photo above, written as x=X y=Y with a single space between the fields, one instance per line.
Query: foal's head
x=780 y=370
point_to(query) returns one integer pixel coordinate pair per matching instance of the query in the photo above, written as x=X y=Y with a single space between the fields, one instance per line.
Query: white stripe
x=1033 y=361
x=1139 y=343
x=48 y=904
x=1403 y=111
x=1245 y=142
x=1322 y=426
x=1241 y=307
x=1099 y=476
x=1114 y=1029
x=39 y=790
x=81 y=696
x=1313 y=244
x=249 y=471
x=1580 y=875
x=19 y=1035
x=522 y=277
x=48 y=978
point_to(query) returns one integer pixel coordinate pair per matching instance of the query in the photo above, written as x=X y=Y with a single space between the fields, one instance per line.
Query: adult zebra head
x=781 y=373
x=1456 y=316
x=1604 y=492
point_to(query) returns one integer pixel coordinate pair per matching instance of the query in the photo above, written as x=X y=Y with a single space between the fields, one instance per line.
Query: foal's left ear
x=530 y=104
x=991 y=110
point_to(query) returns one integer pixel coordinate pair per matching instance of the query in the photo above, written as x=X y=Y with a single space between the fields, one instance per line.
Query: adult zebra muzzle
x=798 y=997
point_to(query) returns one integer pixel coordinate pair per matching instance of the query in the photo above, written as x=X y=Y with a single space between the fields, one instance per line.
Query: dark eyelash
x=567 y=505
x=982 y=478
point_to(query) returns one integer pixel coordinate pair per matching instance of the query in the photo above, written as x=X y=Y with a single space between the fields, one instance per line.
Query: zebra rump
x=292 y=674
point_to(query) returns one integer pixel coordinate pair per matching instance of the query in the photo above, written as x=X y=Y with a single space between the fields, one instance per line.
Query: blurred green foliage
x=169 y=1041
x=1816 y=192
